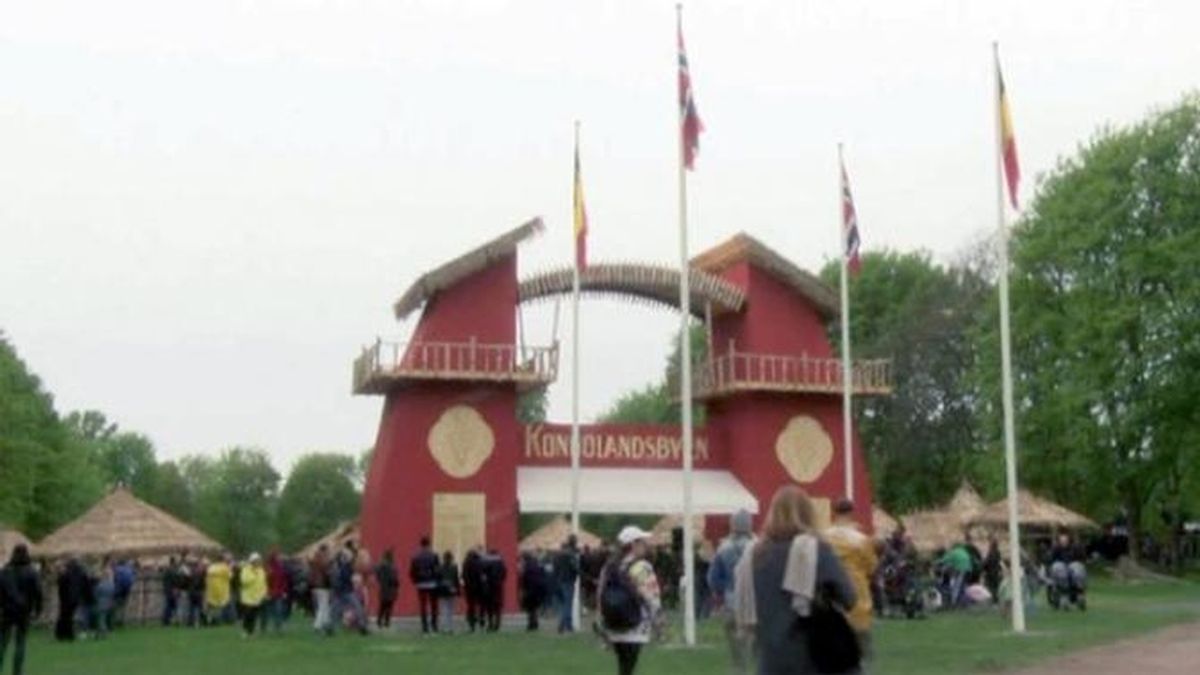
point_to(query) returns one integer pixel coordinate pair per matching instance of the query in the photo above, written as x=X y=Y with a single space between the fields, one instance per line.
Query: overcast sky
x=207 y=207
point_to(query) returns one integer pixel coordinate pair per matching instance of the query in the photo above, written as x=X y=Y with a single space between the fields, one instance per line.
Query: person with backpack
x=629 y=598
x=20 y=602
x=720 y=584
x=790 y=589
x=566 y=576
x=857 y=554
x=425 y=574
x=389 y=587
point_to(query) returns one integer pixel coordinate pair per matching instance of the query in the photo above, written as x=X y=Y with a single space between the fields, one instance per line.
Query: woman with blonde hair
x=784 y=582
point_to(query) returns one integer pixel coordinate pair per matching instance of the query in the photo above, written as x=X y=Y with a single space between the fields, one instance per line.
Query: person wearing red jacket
x=277 y=590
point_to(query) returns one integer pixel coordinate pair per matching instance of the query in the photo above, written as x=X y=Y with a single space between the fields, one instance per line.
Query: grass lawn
x=948 y=643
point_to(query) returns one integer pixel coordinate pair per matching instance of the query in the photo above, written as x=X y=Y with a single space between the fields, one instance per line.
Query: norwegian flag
x=850 y=240
x=690 y=119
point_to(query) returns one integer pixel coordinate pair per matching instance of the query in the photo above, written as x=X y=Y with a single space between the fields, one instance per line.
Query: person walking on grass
x=389 y=587
x=72 y=585
x=787 y=580
x=720 y=584
x=533 y=589
x=194 y=583
x=424 y=572
x=629 y=599
x=451 y=586
x=319 y=582
x=495 y=573
x=217 y=578
x=253 y=592
x=345 y=595
x=123 y=578
x=473 y=588
x=106 y=593
x=277 y=590
x=20 y=603
x=856 y=551
x=566 y=576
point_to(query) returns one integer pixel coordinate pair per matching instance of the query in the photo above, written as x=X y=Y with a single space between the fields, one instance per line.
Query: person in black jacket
x=533 y=589
x=20 y=601
x=494 y=574
x=425 y=573
x=389 y=587
x=473 y=586
x=73 y=586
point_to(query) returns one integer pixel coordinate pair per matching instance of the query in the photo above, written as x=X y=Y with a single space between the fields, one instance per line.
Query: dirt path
x=1171 y=651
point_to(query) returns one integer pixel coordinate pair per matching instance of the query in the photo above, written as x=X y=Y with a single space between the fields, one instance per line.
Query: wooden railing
x=747 y=371
x=384 y=363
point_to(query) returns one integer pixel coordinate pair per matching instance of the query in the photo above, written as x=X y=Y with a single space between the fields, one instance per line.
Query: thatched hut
x=932 y=530
x=335 y=539
x=966 y=504
x=550 y=537
x=9 y=539
x=121 y=525
x=1034 y=511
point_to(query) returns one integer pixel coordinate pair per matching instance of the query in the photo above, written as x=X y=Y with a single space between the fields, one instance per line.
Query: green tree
x=531 y=406
x=45 y=478
x=318 y=495
x=1106 y=319
x=923 y=439
x=172 y=492
x=235 y=497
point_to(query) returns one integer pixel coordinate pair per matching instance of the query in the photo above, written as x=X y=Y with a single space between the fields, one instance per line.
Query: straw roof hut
x=882 y=523
x=9 y=539
x=1034 y=511
x=552 y=535
x=335 y=539
x=932 y=530
x=966 y=504
x=123 y=525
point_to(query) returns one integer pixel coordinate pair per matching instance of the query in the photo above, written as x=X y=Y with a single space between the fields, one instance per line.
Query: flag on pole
x=1008 y=141
x=580 y=211
x=850 y=240
x=691 y=124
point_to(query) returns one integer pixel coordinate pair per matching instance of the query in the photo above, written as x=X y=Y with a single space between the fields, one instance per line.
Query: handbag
x=832 y=643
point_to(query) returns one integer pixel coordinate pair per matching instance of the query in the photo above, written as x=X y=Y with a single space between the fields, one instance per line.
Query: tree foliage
x=319 y=494
x=235 y=497
x=1106 y=320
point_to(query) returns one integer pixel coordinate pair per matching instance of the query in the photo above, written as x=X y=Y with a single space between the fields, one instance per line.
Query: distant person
x=533 y=589
x=566 y=577
x=993 y=569
x=976 y=556
x=448 y=590
x=105 y=595
x=473 y=587
x=779 y=578
x=856 y=551
x=253 y=592
x=124 y=576
x=389 y=587
x=217 y=578
x=319 y=580
x=957 y=565
x=629 y=599
x=73 y=585
x=171 y=583
x=425 y=576
x=720 y=584
x=194 y=583
x=20 y=603
x=495 y=573
x=345 y=596
x=277 y=590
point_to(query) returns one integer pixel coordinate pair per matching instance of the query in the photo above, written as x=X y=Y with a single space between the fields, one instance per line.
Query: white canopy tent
x=655 y=491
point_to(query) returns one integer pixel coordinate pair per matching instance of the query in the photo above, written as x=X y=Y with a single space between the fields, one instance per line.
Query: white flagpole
x=1016 y=570
x=847 y=375
x=575 y=608
x=685 y=381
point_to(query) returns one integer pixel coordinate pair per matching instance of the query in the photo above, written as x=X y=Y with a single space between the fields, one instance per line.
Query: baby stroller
x=1068 y=586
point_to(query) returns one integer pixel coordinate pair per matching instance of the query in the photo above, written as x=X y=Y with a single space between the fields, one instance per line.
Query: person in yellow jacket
x=254 y=592
x=857 y=553
x=216 y=591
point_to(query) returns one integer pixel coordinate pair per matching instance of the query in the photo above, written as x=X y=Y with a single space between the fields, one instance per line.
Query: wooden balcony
x=734 y=372
x=386 y=365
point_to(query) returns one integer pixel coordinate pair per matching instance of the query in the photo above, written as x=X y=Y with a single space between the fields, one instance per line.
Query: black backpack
x=832 y=644
x=620 y=602
x=12 y=600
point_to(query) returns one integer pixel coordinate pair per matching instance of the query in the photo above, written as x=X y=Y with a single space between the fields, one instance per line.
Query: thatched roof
x=744 y=248
x=335 y=539
x=966 y=504
x=882 y=522
x=9 y=539
x=554 y=533
x=123 y=525
x=656 y=283
x=1035 y=511
x=442 y=278
x=932 y=530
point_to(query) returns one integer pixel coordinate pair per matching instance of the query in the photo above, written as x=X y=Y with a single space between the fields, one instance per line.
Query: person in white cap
x=628 y=598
